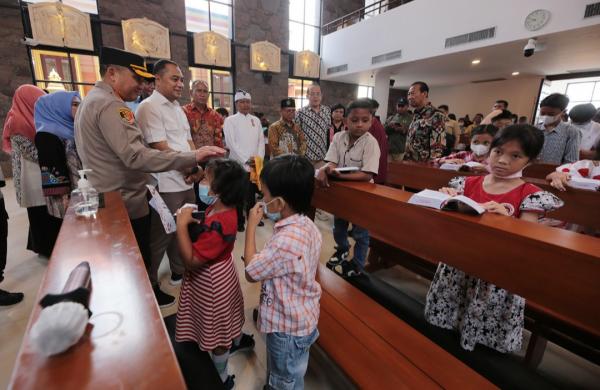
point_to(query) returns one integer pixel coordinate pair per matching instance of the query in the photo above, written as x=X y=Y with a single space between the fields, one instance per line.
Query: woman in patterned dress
x=55 y=142
x=18 y=140
x=211 y=306
x=481 y=312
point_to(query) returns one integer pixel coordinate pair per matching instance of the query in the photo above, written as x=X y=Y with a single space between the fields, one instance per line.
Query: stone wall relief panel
x=211 y=48
x=265 y=57
x=146 y=38
x=307 y=64
x=57 y=24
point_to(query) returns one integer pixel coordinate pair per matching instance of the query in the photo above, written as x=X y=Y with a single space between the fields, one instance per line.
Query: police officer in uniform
x=111 y=144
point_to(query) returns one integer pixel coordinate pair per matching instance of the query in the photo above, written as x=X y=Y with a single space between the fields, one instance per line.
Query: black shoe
x=8 y=298
x=346 y=269
x=261 y=223
x=246 y=343
x=229 y=382
x=241 y=228
x=337 y=258
x=163 y=299
x=175 y=279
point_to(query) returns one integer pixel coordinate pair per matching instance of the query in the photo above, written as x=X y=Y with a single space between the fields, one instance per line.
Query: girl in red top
x=211 y=306
x=480 y=311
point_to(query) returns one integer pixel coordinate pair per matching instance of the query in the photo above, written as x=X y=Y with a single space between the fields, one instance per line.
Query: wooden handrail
x=127 y=345
x=535 y=261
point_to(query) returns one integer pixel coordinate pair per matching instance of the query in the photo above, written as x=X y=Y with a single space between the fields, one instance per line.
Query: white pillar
x=381 y=92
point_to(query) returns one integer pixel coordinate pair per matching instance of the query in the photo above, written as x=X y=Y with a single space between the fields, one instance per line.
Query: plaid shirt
x=315 y=126
x=561 y=144
x=287 y=266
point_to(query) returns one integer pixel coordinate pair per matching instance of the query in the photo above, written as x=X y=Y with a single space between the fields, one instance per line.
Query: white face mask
x=479 y=149
x=516 y=175
x=548 y=119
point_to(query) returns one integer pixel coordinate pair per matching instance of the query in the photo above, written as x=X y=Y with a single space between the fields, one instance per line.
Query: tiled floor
x=25 y=270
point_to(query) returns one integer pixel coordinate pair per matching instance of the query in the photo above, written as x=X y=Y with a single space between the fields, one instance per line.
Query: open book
x=440 y=201
x=584 y=183
x=461 y=167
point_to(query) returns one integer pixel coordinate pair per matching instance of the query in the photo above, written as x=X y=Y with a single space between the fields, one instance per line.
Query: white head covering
x=239 y=95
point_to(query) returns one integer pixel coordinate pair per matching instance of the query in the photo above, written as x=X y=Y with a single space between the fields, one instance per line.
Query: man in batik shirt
x=205 y=124
x=427 y=133
x=315 y=121
x=285 y=136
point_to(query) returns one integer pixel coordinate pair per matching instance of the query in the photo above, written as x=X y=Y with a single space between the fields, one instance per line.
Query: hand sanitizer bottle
x=85 y=197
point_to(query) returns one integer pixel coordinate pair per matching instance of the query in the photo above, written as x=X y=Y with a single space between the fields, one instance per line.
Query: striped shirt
x=561 y=144
x=287 y=266
x=315 y=126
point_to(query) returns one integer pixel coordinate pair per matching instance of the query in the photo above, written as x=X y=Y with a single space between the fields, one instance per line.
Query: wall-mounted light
x=515 y=73
x=476 y=61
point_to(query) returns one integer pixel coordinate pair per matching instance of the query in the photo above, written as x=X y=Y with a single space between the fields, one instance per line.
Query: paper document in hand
x=347 y=169
x=159 y=205
x=441 y=201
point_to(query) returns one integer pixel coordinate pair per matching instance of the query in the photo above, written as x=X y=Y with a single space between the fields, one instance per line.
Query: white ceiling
x=574 y=50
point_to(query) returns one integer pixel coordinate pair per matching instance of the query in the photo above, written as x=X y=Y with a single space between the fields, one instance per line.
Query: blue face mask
x=204 y=197
x=272 y=216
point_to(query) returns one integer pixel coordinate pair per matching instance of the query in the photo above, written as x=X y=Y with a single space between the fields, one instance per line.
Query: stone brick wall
x=258 y=20
x=333 y=9
x=334 y=92
x=169 y=13
x=14 y=67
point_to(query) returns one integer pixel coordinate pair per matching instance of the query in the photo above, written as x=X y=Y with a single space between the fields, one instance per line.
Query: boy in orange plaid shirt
x=286 y=266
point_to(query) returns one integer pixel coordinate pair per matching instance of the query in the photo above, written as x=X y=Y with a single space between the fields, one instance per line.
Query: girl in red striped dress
x=211 y=306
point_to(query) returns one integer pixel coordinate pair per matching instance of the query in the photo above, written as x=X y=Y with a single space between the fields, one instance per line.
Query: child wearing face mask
x=211 y=306
x=481 y=312
x=481 y=139
x=561 y=139
x=286 y=266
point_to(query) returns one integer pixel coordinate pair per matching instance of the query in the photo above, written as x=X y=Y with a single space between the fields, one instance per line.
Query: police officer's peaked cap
x=113 y=56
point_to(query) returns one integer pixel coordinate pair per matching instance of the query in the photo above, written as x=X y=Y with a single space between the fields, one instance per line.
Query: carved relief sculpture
x=211 y=48
x=307 y=64
x=265 y=57
x=57 y=24
x=146 y=38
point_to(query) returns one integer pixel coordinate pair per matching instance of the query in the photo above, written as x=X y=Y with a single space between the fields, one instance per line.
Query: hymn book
x=441 y=201
x=461 y=167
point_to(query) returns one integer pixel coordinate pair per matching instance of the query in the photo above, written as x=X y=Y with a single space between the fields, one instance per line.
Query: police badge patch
x=127 y=115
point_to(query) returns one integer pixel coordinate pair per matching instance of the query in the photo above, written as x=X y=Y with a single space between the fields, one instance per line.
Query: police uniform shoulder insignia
x=127 y=115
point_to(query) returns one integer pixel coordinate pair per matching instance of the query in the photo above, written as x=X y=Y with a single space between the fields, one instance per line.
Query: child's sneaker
x=246 y=344
x=346 y=269
x=176 y=279
x=337 y=258
x=229 y=382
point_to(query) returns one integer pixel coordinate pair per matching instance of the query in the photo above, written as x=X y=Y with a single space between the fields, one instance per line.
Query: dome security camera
x=529 y=48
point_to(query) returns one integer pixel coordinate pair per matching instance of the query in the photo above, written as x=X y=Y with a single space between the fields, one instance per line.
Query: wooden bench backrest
x=128 y=345
x=377 y=349
x=581 y=206
x=532 y=260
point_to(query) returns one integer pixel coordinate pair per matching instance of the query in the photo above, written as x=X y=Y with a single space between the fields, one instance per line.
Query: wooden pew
x=378 y=350
x=539 y=170
x=532 y=260
x=127 y=345
x=581 y=207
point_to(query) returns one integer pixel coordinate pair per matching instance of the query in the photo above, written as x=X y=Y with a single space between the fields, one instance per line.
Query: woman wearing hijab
x=18 y=139
x=58 y=159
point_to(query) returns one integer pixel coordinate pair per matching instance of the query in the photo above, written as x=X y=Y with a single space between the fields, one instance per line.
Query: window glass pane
x=306 y=84
x=295 y=91
x=220 y=18
x=580 y=91
x=223 y=100
x=222 y=81
x=364 y=91
x=311 y=38
x=297 y=10
x=296 y=36
x=200 y=74
x=196 y=15
x=596 y=92
x=596 y=103
x=312 y=12
x=88 y=6
x=86 y=70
